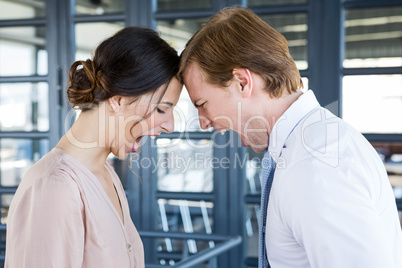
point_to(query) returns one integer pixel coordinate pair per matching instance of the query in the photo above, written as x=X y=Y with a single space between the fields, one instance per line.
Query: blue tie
x=267 y=175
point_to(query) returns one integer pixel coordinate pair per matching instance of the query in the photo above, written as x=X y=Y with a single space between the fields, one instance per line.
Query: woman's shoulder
x=53 y=166
x=49 y=183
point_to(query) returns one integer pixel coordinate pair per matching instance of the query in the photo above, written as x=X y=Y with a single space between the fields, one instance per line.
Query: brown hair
x=133 y=62
x=238 y=38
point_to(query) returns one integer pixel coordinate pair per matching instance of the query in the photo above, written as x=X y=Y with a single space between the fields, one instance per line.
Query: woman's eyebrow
x=167 y=103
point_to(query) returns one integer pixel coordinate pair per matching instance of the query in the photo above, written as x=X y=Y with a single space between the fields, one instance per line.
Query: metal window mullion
x=168 y=15
x=195 y=196
x=221 y=193
x=53 y=65
x=188 y=135
x=98 y=18
x=236 y=182
x=65 y=57
x=149 y=200
x=24 y=79
x=358 y=4
x=374 y=137
x=372 y=71
x=325 y=52
x=275 y=10
x=23 y=22
x=24 y=135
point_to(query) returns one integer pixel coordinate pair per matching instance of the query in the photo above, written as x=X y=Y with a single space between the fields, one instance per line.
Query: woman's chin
x=122 y=152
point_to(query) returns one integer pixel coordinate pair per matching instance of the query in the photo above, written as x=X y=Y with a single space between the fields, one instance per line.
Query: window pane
x=294 y=28
x=391 y=154
x=98 y=7
x=184 y=165
x=24 y=107
x=16 y=156
x=256 y=3
x=373 y=37
x=252 y=162
x=251 y=226
x=373 y=103
x=305 y=84
x=178 y=32
x=187 y=217
x=23 y=51
x=89 y=35
x=21 y=9
x=186 y=115
x=169 y=5
x=5 y=200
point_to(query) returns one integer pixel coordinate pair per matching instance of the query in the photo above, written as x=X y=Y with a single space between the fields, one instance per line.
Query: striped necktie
x=267 y=175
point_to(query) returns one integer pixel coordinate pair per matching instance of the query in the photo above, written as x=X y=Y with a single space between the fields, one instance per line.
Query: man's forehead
x=194 y=71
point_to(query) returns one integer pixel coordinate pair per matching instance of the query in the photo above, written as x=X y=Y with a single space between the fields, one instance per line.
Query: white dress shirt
x=331 y=203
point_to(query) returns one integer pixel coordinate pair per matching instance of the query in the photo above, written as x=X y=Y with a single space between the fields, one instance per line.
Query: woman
x=70 y=209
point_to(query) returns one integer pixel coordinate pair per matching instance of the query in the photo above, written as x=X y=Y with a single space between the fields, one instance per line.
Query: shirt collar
x=289 y=120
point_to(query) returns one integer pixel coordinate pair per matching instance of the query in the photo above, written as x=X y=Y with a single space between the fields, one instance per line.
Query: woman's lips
x=135 y=147
x=136 y=144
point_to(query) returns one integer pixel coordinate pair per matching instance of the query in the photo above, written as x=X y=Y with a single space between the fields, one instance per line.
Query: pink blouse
x=61 y=217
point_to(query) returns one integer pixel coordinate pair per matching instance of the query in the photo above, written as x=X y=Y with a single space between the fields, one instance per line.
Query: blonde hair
x=238 y=38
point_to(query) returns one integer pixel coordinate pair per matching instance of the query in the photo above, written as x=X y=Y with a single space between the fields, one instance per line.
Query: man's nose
x=205 y=123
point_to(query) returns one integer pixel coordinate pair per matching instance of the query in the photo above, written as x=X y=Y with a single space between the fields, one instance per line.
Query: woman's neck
x=88 y=139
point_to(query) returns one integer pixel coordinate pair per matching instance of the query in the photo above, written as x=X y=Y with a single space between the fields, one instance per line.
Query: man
x=330 y=203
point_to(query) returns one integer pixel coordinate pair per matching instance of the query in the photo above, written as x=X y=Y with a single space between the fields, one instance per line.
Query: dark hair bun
x=82 y=84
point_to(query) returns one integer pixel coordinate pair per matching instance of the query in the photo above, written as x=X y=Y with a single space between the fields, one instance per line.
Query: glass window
x=16 y=156
x=391 y=154
x=305 y=84
x=251 y=228
x=186 y=115
x=251 y=163
x=294 y=28
x=89 y=35
x=256 y=3
x=169 y=5
x=179 y=31
x=23 y=51
x=373 y=103
x=373 y=37
x=98 y=7
x=184 y=216
x=5 y=200
x=183 y=165
x=24 y=107
x=10 y=9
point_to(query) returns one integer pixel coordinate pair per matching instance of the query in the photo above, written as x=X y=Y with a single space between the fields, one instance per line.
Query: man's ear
x=244 y=78
x=115 y=104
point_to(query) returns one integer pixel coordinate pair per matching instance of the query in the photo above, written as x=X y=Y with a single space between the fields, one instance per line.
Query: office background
x=200 y=185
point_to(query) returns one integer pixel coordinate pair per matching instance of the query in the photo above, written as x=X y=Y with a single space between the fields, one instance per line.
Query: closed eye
x=200 y=105
x=160 y=111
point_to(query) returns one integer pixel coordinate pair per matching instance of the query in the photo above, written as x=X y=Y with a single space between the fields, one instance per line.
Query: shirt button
x=129 y=247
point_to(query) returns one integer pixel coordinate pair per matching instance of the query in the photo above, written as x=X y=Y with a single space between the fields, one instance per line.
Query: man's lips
x=222 y=130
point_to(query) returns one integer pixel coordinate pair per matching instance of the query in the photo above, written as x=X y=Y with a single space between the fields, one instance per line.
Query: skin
x=115 y=126
x=244 y=106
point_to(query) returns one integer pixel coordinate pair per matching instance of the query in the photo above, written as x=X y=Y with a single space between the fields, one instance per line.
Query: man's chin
x=258 y=149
